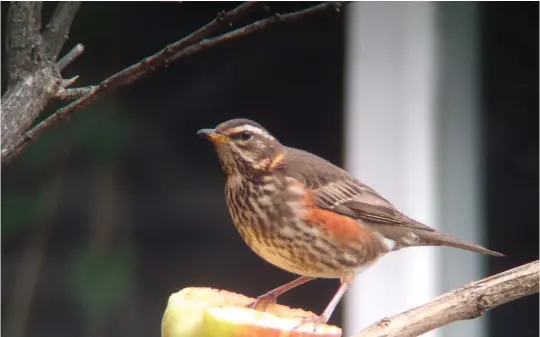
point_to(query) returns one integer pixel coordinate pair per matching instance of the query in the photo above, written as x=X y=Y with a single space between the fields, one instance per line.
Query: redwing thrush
x=305 y=215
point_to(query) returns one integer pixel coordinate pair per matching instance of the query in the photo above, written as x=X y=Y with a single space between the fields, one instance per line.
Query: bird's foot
x=315 y=320
x=384 y=323
x=262 y=302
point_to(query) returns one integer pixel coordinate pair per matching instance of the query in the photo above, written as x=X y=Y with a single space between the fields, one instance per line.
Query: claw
x=315 y=319
x=384 y=323
x=262 y=302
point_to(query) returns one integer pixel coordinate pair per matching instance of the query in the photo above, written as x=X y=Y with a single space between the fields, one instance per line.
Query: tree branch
x=467 y=302
x=23 y=26
x=188 y=46
x=254 y=27
x=70 y=57
x=34 y=76
x=74 y=93
x=56 y=31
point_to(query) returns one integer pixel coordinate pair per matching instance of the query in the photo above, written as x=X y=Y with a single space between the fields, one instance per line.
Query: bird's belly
x=294 y=258
x=302 y=252
x=285 y=259
x=275 y=231
x=281 y=244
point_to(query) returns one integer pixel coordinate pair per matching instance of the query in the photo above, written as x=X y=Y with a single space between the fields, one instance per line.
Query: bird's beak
x=213 y=136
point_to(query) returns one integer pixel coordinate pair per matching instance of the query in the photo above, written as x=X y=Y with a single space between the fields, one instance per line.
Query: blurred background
x=433 y=104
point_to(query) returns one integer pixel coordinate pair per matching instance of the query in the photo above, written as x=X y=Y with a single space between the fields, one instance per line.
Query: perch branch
x=56 y=31
x=467 y=302
x=188 y=46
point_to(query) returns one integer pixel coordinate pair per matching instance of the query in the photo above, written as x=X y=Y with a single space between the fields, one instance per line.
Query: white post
x=394 y=139
x=459 y=132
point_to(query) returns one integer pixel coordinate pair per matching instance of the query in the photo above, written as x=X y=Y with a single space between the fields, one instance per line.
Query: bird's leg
x=270 y=297
x=346 y=281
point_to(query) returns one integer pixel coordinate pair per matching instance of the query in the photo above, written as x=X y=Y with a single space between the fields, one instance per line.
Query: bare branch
x=23 y=102
x=70 y=56
x=188 y=46
x=467 y=302
x=254 y=27
x=68 y=82
x=34 y=77
x=56 y=31
x=74 y=93
x=23 y=26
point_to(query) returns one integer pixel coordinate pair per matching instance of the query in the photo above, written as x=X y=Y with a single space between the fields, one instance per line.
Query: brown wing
x=337 y=191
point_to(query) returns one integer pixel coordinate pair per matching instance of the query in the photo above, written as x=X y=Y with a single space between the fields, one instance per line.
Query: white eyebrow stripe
x=253 y=129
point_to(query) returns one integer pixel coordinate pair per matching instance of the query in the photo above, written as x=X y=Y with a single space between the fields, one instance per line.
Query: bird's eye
x=245 y=136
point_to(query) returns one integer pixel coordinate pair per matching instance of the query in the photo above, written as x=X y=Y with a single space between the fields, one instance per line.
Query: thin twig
x=254 y=27
x=14 y=147
x=467 y=302
x=56 y=31
x=161 y=58
x=70 y=56
x=23 y=26
x=74 y=93
x=174 y=52
x=64 y=83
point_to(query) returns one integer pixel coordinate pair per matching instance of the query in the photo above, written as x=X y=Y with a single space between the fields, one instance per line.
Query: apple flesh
x=209 y=312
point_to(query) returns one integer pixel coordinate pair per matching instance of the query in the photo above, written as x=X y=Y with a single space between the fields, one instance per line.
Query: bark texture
x=467 y=302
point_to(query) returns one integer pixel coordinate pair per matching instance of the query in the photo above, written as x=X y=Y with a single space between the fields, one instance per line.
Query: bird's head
x=244 y=146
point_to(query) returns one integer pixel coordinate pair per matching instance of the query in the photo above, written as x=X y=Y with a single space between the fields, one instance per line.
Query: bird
x=307 y=216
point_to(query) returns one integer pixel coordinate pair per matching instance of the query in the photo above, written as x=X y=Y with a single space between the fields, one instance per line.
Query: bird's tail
x=417 y=234
x=434 y=238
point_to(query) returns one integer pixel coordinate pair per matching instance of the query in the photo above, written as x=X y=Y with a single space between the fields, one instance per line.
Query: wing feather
x=339 y=192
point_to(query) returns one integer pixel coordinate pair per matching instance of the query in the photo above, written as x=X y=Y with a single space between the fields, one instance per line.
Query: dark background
x=105 y=216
